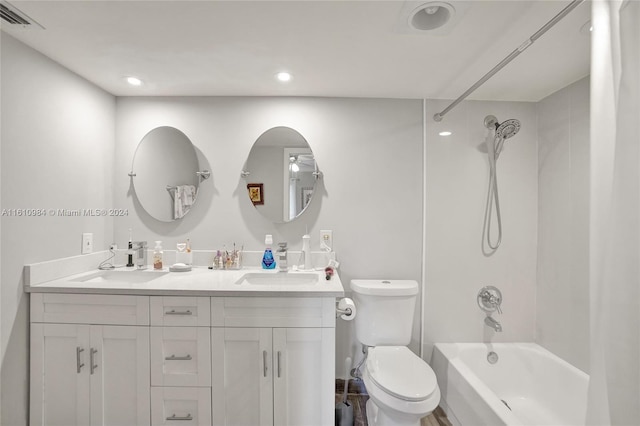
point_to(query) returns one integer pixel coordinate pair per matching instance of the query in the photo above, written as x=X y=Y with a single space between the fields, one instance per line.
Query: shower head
x=507 y=128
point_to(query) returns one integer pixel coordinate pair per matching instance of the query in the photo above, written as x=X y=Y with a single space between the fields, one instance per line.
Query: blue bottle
x=267 y=259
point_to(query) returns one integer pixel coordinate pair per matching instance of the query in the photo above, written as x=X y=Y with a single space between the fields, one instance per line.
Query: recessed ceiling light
x=445 y=133
x=283 y=76
x=134 y=81
x=431 y=15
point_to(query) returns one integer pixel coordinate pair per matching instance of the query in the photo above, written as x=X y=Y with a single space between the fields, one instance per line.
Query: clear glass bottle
x=189 y=260
x=157 y=255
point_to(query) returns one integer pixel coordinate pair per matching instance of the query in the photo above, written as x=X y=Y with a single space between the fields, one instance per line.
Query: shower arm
x=575 y=3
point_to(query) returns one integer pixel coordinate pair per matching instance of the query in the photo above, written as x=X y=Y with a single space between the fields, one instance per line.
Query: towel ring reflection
x=170 y=190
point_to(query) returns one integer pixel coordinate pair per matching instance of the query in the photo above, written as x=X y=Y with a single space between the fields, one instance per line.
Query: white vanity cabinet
x=273 y=361
x=84 y=369
x=118 y=359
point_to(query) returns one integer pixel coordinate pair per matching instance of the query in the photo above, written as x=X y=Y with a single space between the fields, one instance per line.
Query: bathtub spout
x=489 y=321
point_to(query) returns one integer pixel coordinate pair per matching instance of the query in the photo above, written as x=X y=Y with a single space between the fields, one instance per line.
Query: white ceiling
x=332 y=48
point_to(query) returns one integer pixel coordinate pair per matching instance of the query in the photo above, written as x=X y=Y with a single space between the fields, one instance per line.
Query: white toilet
x=402 y=387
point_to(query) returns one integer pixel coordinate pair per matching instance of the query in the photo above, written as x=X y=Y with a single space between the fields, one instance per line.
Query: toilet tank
x=384 y=311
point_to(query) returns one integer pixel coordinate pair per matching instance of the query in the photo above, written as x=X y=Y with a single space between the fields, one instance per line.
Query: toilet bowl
x=402 y=387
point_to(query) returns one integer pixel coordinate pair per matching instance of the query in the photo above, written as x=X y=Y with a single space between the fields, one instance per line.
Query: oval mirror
x=165 y=173
x=281 y=174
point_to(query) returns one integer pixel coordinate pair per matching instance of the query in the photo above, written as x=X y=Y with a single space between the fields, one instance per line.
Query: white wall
x=57 y=153
x=370 y=151
x=457 y=175
x=562 y=296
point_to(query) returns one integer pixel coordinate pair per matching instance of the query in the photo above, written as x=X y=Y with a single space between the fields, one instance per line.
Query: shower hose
x=492 y=195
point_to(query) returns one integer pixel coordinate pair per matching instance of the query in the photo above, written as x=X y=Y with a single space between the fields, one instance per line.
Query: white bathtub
x=540 y=388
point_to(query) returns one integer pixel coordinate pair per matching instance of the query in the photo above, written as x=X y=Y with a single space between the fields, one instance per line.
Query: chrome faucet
x=282 y=257
x=493 y=323
x=489 y=300
x=140 y=249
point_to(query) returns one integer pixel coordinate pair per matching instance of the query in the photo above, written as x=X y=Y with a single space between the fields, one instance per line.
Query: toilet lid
x=401 y=373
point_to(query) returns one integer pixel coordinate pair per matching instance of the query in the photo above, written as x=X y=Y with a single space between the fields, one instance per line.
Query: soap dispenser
x=157 y=255
x=267 y=259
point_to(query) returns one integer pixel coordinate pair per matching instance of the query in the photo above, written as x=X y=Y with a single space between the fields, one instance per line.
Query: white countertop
x=200 y=281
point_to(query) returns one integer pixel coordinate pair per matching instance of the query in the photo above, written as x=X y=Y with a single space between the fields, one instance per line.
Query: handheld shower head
x=504 y=131
x=508 y=128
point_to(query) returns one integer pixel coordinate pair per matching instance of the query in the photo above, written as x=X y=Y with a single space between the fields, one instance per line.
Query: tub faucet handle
x=490 y=299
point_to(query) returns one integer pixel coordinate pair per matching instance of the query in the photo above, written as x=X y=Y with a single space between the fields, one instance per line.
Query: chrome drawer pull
x=92 y=353
x=174 y=312
x=279 y=371
x=178 y=358
x=174 y=417
x=79 y=365
x=264 y=363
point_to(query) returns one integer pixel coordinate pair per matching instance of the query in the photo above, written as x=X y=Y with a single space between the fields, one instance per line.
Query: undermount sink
x=279 y=278
x=120 y=277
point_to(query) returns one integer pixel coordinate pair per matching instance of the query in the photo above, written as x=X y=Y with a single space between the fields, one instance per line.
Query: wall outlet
x=87 y=243
x=326 y=240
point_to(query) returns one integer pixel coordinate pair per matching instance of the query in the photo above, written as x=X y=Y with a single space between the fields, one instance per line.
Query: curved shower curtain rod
x=528 y=42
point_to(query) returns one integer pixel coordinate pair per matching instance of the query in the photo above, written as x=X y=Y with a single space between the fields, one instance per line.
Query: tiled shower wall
x=562 y=293
x=457 y=175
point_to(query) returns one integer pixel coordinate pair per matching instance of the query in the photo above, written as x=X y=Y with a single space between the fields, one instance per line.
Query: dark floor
x=357 y=398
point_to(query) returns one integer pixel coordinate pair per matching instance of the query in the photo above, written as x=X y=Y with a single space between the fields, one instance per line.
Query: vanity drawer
x=273 y=311
x=89 y=309
x=180 y=356
x=180 y=311
x=183 y=406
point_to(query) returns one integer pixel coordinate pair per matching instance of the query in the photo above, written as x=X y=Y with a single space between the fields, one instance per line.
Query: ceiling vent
x=11 y=15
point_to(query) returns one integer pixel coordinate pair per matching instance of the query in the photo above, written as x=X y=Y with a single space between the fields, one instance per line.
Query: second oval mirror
x=281 y=174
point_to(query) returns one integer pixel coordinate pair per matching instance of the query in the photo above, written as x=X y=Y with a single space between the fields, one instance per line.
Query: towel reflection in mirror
x=183 y=198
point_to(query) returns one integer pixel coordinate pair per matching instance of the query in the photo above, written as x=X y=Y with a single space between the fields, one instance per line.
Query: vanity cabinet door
x=89 y=375
x=60 y=381
x=304 y=370
x=273 y=376
x=119 y=369
x=242 y=376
